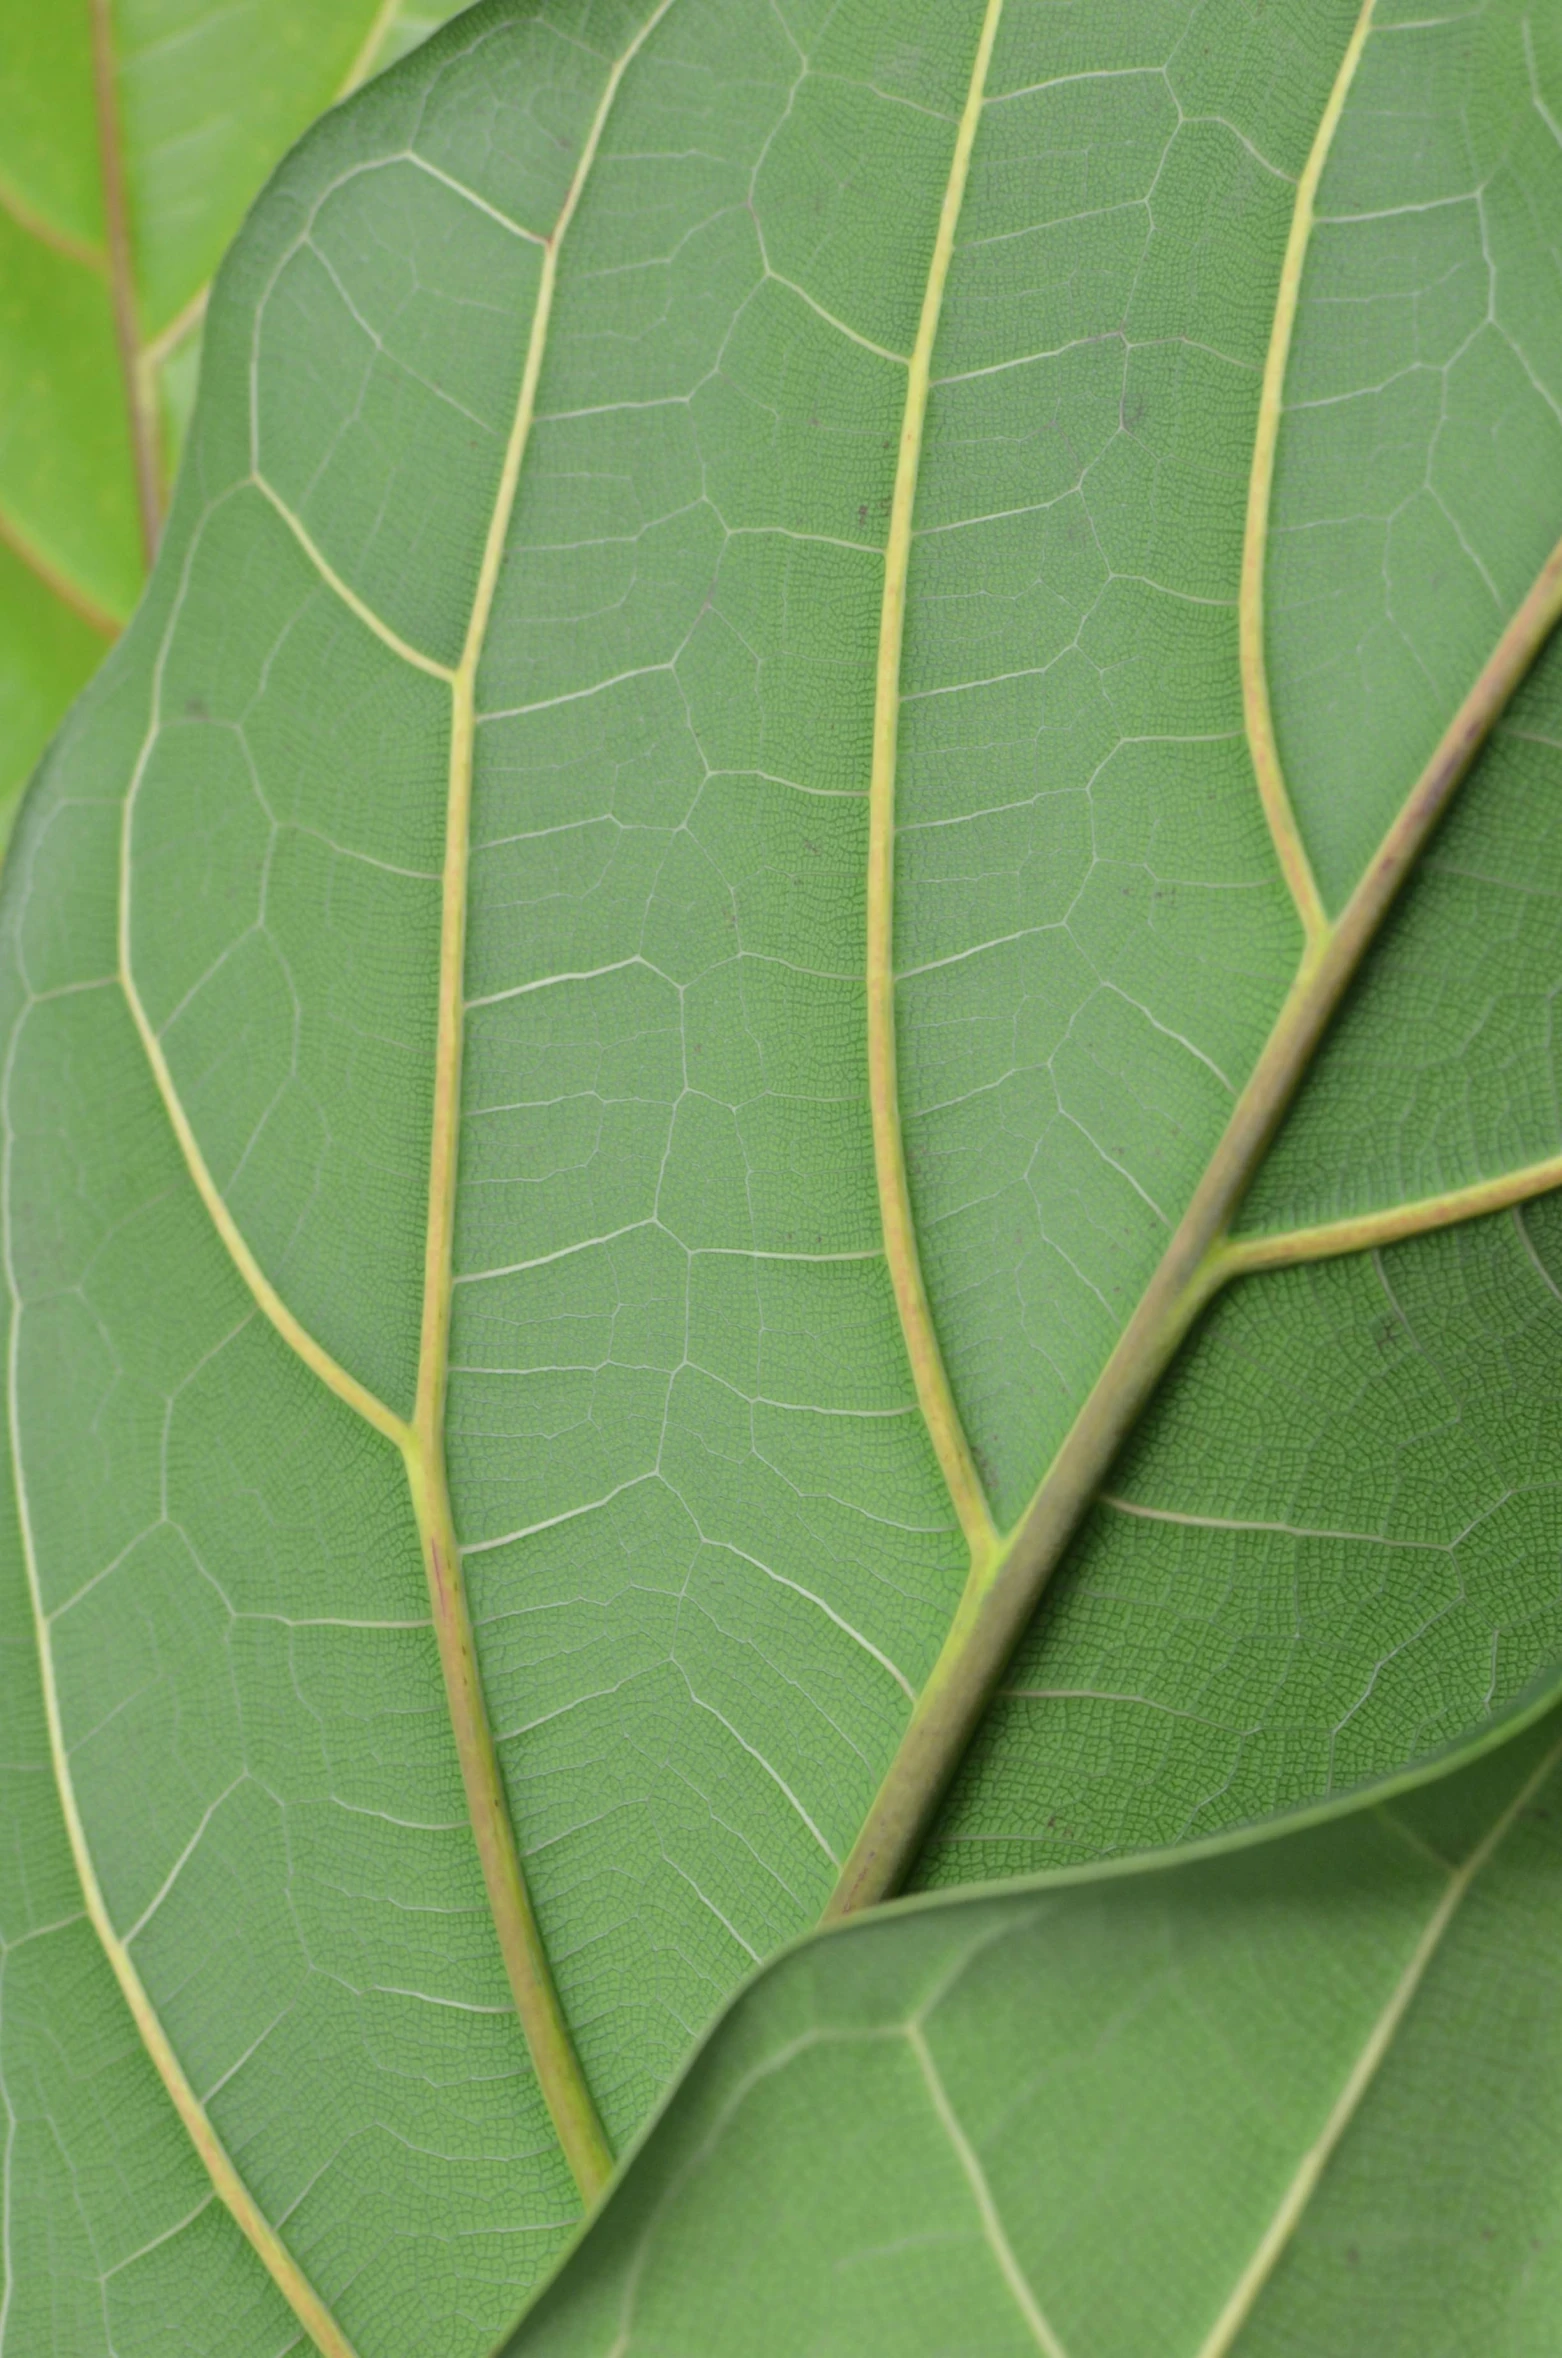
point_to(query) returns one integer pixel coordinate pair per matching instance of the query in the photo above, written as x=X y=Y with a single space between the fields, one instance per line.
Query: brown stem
x=121 y=279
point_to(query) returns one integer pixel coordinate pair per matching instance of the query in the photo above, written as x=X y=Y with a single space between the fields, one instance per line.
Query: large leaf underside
x=528 y=575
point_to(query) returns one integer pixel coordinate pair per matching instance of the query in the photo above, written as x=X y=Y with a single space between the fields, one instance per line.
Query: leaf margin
x=1528 y=1711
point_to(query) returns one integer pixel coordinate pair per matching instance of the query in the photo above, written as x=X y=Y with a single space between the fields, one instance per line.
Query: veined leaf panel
x=1420 y=448
x=1329 y=1549
x=706 y=1587
x=451 y=949
x=709 y=1551
x=1206 y=1657
x=1091 y=935
x=1286 y=2066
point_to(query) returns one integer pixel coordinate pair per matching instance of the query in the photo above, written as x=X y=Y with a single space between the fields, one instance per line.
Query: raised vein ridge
x=994 y=2235
x=1364 y=2070
x=1005 y=1585
x=420 y=1441
x=569 y=2099
x=1362 y=1232
x=1258 y=718
x=889 y=1154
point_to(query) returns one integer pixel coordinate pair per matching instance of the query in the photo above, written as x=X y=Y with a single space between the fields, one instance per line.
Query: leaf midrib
x=1199 y=1260
x=570 y=2103
x=1009 y=1572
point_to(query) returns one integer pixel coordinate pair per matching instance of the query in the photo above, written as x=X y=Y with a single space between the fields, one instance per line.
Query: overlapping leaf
x=454 y=1141
x=1290 y=2099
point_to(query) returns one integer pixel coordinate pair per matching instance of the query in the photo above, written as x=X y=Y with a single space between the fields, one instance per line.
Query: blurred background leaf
x=133 y=135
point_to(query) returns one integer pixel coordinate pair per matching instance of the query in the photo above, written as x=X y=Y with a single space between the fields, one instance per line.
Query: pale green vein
x=901 y=1250
x=1364 y=2070
x=285 y=2272
x=369 y=48
x=571 y=2106
x=1002 y=1593
x=852 y=335
x=349 y=597
x=1363 y=1232
x=1290 y=850
x=993 y=2232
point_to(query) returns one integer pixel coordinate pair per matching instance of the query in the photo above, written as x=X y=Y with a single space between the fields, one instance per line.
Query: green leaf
x=644 y=1010
x=135 y=133
x=1293 y=2098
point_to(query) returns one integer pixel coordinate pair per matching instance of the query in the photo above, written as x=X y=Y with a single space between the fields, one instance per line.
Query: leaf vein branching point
x=1365 y=1231
x=1289 y=848
x=294 y=2285
x=560 y=2077
x=1198 y=1260
x=167 y=340
x=934 y=1395
x=1363 y=2072
x=348 y=596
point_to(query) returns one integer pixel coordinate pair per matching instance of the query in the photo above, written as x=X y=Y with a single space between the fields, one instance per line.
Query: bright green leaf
x=497 y=1342
x=133 y=134
x=1298 y=2098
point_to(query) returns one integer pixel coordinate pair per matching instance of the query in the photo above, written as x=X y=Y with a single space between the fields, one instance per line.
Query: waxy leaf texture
x=807 y=935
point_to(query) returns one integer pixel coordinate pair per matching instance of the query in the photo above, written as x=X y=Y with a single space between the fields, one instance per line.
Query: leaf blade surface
x=709 y=1554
